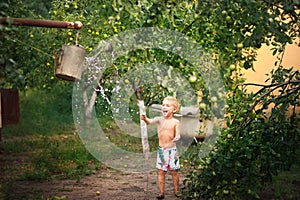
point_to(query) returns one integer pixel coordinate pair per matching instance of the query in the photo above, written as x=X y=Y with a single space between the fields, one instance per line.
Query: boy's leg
x=175 y=178
x=161 y=181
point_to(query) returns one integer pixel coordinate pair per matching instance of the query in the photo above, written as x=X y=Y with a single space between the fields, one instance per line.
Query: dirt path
x=111 y=184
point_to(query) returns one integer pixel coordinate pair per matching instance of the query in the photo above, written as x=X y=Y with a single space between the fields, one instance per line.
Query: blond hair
x=174 y=101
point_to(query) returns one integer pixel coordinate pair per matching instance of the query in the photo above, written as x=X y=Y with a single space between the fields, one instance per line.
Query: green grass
x=43 y=112
x=39 y=157
x=284 y=186
x=45 y=140
x=44 y=145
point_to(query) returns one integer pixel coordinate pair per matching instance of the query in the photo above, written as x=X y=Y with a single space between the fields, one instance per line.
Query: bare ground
x=103 y=184
x=110 y=183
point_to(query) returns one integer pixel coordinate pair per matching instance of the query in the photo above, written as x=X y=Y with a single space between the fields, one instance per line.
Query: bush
x=255 y=146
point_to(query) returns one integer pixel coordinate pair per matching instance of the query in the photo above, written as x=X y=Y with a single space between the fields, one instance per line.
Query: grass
x=285 y=186
x=44 y=145
x=43 y=112
x=40 y=157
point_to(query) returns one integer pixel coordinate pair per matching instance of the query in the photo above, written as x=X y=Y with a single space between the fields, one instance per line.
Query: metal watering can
x=69 y=63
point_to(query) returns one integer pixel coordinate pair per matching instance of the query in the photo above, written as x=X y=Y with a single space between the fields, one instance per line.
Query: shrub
x=256 y=145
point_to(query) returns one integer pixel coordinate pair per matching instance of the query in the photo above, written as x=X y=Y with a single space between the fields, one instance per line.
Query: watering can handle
x=58 y=54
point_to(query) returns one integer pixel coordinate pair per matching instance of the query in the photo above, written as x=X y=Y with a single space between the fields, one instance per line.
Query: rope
x=77 y=36
x=35 y=48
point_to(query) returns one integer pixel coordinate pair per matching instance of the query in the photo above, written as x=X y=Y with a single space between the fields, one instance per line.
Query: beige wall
x=265 y=63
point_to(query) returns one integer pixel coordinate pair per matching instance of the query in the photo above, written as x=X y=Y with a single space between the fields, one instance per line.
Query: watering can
x=69 y=64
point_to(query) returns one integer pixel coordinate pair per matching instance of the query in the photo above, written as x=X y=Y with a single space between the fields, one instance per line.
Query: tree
x=24 y=63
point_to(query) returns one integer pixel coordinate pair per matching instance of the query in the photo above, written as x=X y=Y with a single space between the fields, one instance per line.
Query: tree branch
x=275 y=86
x=270 y=85
x=287 y=94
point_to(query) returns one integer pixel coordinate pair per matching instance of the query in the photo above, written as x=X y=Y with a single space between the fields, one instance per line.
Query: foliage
x=228 y=29
x=261 y=140
x=23 y=62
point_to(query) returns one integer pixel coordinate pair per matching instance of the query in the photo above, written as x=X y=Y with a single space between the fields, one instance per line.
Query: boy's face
x=168 y=108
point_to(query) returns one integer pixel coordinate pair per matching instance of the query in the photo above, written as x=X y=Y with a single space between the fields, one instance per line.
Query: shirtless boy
x=168 y=129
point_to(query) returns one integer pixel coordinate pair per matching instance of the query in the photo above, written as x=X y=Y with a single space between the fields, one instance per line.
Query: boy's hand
x=176 y=138
x=143 y=117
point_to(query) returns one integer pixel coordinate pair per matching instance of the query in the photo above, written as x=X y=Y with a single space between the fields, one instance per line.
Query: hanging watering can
x=69 y=64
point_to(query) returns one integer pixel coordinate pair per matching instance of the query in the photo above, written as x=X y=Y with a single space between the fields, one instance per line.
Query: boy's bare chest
x=166 y=126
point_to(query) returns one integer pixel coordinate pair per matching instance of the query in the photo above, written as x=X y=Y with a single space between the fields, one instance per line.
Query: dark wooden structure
x=40 y=23
x=10 y=109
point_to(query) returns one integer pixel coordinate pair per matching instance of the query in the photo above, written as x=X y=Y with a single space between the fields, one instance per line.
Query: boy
x=168 y=130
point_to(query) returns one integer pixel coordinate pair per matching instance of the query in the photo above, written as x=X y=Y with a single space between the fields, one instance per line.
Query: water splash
x=86 y=91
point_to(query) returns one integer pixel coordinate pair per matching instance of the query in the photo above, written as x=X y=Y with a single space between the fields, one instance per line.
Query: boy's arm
x=146 y=119
x=177 y=132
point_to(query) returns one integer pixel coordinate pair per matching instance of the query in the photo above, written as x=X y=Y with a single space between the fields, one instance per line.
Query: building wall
x=265 y=63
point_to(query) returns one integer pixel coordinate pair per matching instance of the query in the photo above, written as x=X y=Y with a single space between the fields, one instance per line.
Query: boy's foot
x=161 y=196
x=178 y=194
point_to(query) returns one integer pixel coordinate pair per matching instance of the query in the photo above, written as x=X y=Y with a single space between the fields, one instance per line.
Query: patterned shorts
x=167 y=159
